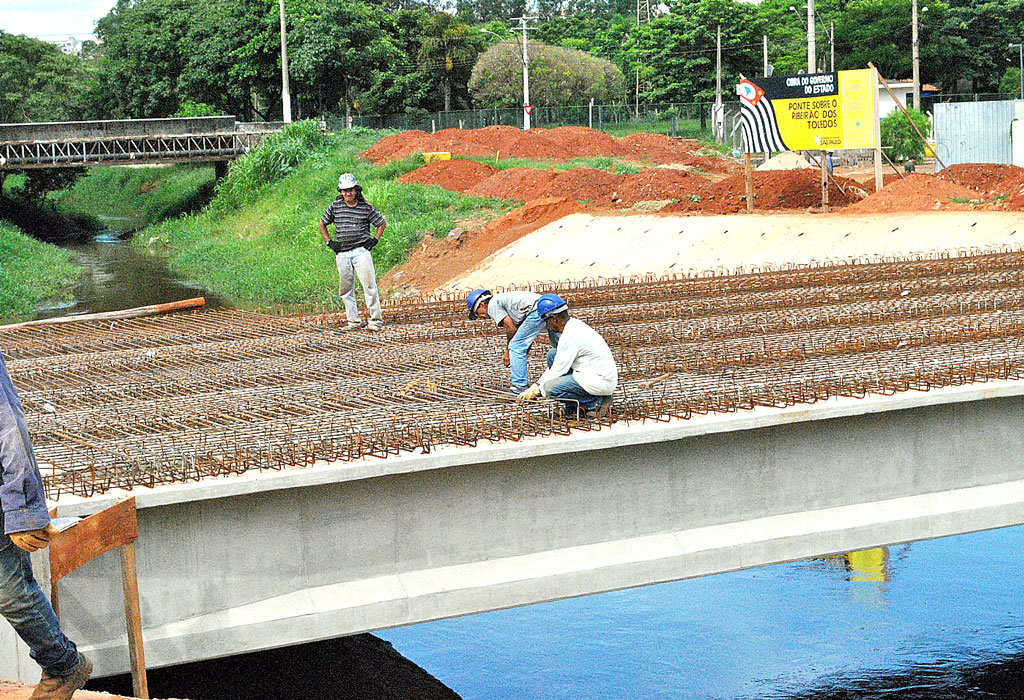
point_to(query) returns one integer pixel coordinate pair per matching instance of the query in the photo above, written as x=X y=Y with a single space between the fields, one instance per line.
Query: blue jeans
x=30 y=613
x=567 y=390
x=520 y=344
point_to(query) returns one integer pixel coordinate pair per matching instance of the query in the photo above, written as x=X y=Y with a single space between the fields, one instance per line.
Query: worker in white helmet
x=352 y=242
x=581 y=371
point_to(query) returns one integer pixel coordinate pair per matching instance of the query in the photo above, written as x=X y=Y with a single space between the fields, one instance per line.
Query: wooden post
x=877 y=128
x=748 y=178
x=115 y=527
x=824 y=182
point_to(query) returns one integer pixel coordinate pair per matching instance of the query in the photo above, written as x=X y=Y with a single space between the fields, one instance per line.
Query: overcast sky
x=52 y=19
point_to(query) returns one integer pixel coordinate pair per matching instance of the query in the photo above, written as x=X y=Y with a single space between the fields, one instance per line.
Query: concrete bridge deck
x=296 y=483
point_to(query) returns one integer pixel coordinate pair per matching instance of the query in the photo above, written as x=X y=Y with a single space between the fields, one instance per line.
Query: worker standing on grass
x=516 y=312
x=352 y=217
x=26 y=527
x=581 y=370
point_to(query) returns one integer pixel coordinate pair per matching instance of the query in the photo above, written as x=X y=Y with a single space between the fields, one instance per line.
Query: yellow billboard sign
x=812 y=112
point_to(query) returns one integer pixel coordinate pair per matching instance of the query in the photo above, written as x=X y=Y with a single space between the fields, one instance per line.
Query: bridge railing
x=114 y=150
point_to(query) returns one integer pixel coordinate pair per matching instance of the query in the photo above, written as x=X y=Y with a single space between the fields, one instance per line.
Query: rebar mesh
x=175 y=398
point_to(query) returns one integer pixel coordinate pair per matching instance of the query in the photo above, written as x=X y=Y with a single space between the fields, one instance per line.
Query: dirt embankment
x=559 y=144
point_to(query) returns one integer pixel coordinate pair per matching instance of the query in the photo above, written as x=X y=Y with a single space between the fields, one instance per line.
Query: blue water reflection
x=909 y=621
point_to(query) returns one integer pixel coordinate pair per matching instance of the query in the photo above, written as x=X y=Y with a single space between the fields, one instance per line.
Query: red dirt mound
x=915 y=192
x=560 y=144
x=984 y=177
x=436 y=261
x=773 y=189
x=457 y=175
x=522 y=184
x=1014 y=189
x=658 y=184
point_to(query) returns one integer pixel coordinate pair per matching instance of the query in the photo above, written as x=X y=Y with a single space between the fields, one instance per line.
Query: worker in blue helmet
x=581 y=370
x=516 y=313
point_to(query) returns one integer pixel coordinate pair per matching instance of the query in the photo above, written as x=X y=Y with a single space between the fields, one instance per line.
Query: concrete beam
x=259 y=561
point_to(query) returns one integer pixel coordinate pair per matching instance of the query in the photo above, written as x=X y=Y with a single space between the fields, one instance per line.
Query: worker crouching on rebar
x=25 y=527
x=516 y=312
x=352 y=217
x=581 y=371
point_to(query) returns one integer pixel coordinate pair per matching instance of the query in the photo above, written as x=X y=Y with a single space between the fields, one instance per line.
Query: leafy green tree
x=899 y=136
x=557 y=76
x=675 y=53
x=449 y=49
x=1010 y=83
x=196 y=109
x=38 y=82
x=490 y=10
x=982 y=29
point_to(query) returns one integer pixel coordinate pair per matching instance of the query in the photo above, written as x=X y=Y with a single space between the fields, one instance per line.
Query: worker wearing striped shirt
x=352 y=217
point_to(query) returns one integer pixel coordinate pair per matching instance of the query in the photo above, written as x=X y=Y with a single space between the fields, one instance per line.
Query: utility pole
x=526 y=74
x=812 y=63
x=1020 y=58
x=719 y=120
x=914 y=54
x=286 y=98
x=765 y=38
x=832 y=45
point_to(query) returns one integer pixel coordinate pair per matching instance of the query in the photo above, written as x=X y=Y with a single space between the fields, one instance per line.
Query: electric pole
x=765 y=37
x=812 y=62
x=286 y=98
x=832 y=45
x=527 y=108
x=914 y=54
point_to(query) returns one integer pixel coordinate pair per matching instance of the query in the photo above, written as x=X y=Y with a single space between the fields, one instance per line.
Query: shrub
x=900 y=139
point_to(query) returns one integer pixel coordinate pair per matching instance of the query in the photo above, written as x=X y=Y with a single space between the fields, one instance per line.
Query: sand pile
x=773 y=189
x=915 y=192
x=456 y=175
x=559 y=144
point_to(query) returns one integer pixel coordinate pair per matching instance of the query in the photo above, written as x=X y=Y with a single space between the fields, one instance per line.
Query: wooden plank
x=133 y=620
x=99 y=533
x=153 y=309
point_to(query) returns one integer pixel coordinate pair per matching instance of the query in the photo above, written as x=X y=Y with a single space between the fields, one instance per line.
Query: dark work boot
x=63 y=687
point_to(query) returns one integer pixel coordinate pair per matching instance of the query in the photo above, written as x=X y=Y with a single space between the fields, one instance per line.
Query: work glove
x=530 y=394
x=370 y=243
x=335 y=246
x=34 y=540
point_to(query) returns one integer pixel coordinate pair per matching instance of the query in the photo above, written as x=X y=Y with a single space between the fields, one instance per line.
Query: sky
x=52 y=19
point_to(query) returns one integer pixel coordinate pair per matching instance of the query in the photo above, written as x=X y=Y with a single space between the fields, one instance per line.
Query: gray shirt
x=351 y=224
x=515 y=305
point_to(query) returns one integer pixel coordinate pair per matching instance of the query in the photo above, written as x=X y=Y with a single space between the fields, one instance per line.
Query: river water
x=935 y=620
x=940 y=619
x=117 y=276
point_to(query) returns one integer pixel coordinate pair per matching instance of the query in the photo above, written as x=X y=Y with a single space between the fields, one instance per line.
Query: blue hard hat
x=474 y=299
x=550 y=304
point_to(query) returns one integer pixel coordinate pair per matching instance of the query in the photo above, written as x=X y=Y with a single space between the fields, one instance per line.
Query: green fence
x=690 y=120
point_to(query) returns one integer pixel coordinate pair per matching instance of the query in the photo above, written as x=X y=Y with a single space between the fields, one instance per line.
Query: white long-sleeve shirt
x=582 y=350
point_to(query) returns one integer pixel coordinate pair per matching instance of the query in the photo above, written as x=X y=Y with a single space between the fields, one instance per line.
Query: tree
x=557 y=76
x=1010 y=82
x=899 y=136
x=449 y=49
x=38 y=82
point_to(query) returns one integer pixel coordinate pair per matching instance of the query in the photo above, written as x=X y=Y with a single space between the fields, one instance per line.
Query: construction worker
x=352 y=217
x=26 y=528
x=581 y=370
x=516 y=312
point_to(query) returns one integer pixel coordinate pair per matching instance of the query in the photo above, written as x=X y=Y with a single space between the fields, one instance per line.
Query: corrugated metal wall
x=973 y=132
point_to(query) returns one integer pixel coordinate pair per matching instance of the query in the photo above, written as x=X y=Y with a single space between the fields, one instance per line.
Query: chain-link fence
x=690 y=120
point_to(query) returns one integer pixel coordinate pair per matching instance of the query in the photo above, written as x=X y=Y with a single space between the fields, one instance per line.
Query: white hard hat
x=347 y=181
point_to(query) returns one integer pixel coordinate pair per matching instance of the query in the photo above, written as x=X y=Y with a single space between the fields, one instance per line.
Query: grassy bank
x=31 y=272
x=258 y=241
x=130 y=198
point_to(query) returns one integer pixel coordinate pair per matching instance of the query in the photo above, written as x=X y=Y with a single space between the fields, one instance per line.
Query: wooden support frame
x=115 y=527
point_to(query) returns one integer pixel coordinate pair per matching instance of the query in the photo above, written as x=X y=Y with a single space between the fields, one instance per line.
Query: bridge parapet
x=113 y=128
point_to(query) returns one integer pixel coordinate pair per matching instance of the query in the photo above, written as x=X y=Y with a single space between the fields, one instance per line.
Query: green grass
x=259 y=242
x=129 y=198
x=31 y=272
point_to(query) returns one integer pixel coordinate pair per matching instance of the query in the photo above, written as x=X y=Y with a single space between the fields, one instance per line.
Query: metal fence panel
x=973 y=132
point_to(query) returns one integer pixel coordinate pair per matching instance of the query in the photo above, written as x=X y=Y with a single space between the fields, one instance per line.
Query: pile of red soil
x=773 y=189
x=457 y=175
x=522 y=184
x=984 y=177
x=1013 y=188
x=559 y=144
x=915 y=192
x=658 y=184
